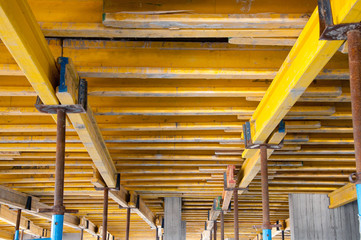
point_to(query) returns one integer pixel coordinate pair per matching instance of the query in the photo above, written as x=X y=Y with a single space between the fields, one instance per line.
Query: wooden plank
x=88 y=226
x=10 y=217
x=120 y=197
x=143 y=211
x=343 y=196
x=97 y=179
x=231 y=183
x=98 y=30
x=203 y=21
x=263 y=41
x=85 y=125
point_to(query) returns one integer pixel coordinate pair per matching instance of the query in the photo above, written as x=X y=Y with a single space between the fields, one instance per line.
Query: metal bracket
x=117 y=186
x=137 y=204
x=248 y=137
x=231 y=189
x=81 y=107
x=52 y=109
x=28 y=203
x=217 y=207
x=57 y=211
x=328 y=30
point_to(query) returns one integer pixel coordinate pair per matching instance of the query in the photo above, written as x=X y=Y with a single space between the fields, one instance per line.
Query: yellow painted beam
x=22 y=36
x=343 y=196
x=305 y=61
x=87 y=128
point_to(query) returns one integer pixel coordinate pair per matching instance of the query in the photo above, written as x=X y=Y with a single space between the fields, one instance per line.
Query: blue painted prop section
x=63 y=61
x=17 y=235
x=267 y=234
x=57 y=227
x=358 y=191
x=282 y=126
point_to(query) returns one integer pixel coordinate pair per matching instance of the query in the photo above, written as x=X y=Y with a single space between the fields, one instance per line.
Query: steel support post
x=22 y=235
x=267 y=229
x=128 y=224
x=17 y=226
x=105 y=214
x=236 y=228
x=81 y=234
x=59 y=209
x=215 y=230
x=156 y=234
x=354 y=54
x=222 y=225
x=283 y=235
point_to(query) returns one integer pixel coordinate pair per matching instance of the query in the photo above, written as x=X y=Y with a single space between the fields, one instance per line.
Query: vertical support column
x=236 y=228
x=59 y=209
x=156 y=234
x=105 y=214
x=354 y=54
x=172 y=218
x=184 y=230
x=222 y=225
x=17 y=226
x=128 y=224
x=267 y=230
x=215 y=230
x=81 y=234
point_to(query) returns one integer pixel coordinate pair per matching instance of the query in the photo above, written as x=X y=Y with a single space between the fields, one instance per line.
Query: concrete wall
x=184 y=230
x=173 y=218
x=311 y=219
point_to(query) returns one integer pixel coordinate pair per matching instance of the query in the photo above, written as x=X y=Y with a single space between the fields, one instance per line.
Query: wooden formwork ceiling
x=170 y=85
